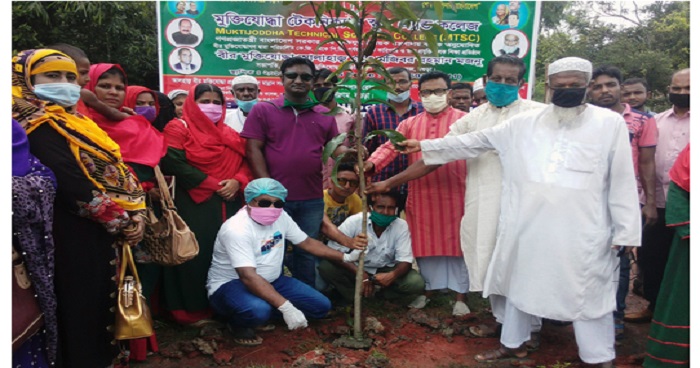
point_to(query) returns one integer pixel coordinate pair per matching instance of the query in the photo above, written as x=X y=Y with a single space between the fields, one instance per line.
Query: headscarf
x=215 y=149
x=262 y=186
x=25 y=104
x=23 y=162
x=166 y=111
x=132 y=94
x=571 y=64
x=93 y=149
x=138 y=141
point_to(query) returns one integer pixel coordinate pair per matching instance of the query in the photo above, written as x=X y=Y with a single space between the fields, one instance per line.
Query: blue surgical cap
x=262 y=186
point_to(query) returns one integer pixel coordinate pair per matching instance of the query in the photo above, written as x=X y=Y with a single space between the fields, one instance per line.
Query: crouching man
x=389 y=259
x=245 y=282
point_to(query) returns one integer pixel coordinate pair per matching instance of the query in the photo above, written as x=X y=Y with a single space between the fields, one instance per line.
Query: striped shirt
x=642 y=128
x=382 y=117
x=435 y=204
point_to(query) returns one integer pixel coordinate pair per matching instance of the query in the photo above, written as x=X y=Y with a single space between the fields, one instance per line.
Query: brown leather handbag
x=168 y=239
x=27 y=318
x=133 y=317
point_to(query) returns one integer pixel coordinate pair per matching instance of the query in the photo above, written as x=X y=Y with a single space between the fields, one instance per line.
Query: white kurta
x=483 y=194
x=569 y=194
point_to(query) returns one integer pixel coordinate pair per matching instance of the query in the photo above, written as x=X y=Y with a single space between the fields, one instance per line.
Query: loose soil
x=401 y=338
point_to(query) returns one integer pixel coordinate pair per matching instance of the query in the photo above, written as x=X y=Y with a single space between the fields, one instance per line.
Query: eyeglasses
x=304 y=76
x=353 y=183
x=437 y=92
x=267 y=203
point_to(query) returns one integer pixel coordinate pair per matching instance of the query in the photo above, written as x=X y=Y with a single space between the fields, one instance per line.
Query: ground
x=402 y=338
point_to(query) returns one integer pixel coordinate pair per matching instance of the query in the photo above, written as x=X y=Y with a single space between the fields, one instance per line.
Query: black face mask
x=681 y=100
x=320 y=91
x=568 y=97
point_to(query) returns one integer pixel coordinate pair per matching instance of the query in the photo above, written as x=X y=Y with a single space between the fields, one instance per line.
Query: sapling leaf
x=334 y=172
x=332 y=145
x=393 y=136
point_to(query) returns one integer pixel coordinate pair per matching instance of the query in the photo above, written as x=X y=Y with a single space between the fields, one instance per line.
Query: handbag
x=168 y=239
x=27 y=318
x=133 y=317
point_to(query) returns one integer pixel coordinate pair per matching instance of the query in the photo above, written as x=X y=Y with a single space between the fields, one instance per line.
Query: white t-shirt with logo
x=242 y=242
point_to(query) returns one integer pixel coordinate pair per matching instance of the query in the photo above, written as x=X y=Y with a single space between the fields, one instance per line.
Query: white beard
x=557 y=116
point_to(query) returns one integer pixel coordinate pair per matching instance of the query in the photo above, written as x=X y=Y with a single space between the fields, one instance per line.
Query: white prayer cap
x=244 y=79
x=571 y=64
x=478 y=85
x=173 y=94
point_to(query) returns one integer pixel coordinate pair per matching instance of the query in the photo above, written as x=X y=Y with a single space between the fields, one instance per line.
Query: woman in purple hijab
x=33 y=193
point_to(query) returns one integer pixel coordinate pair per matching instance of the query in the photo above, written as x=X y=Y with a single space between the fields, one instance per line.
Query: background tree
x=122 y=32
x=649 y=41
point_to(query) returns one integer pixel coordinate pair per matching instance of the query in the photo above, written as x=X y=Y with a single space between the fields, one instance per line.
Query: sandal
x=485 y=330
x=245 y=336
x=502 y=353
x=534 y=343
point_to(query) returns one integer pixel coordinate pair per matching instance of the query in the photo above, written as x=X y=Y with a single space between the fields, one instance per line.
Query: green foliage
x=392 y=135
x=332 y=146
x=654 y=45
x=108 y=32
x=388 y=17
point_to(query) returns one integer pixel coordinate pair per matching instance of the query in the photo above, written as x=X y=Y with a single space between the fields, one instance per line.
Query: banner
x=215 y=41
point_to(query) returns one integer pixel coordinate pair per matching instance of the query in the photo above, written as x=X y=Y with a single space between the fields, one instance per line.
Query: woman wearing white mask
x=207 y=158
x=97 y=207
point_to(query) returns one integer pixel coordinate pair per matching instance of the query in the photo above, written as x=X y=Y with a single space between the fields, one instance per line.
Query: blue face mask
x=401 y=97
x=500 y=94
x=64 y=94
x=246 y=106
x=148 y=112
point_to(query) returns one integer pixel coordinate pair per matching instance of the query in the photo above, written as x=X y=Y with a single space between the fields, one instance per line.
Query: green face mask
x=382 y=220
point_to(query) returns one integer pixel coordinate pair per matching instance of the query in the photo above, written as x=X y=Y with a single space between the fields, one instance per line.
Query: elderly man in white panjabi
x=245 y=90
x=568 y=204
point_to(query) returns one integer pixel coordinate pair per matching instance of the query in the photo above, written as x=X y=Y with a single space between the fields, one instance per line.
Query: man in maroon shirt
x=286 y=137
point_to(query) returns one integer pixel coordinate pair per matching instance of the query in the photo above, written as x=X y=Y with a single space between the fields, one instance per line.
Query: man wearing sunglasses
x=341 y=201
x=245 y=282
x=286 y=137
x=435 y=202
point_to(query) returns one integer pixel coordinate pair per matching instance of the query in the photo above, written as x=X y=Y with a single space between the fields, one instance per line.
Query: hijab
x=94 y=151
x=132 y=94
x=138 y=141
x=214 y=148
